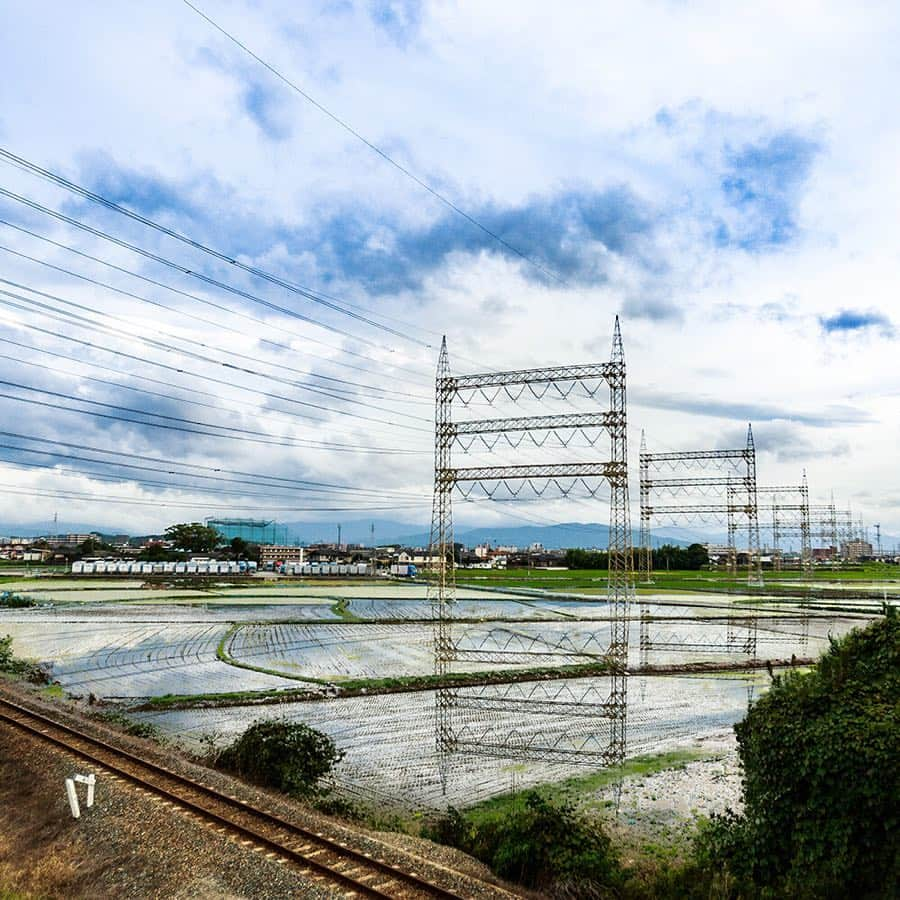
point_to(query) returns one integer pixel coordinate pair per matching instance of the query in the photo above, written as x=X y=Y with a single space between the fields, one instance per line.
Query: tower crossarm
x=547 y=375
x=614 y=471
x=537 y=423
x=690 y=455
x=711 y=481
x=700 y=509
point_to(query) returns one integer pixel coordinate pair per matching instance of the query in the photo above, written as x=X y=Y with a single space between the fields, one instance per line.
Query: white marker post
x=90 y=781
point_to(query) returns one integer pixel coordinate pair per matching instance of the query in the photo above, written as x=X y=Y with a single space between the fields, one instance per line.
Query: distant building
x=274 y=553
x=254 y=531
x=856 y=550
x=72 y=540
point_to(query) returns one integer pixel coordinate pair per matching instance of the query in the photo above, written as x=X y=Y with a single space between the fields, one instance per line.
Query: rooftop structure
x=254 y=531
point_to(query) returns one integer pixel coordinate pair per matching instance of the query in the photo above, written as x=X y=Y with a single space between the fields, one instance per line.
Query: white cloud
x=496 y=104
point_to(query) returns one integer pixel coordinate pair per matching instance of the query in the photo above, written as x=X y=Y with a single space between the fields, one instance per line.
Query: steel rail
x=315 y=842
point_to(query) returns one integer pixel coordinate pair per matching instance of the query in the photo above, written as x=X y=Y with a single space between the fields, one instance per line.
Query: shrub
x=821 y=758
x=538 y=843
x=130 y=726
x=12 y=665
x=288 y=756
x=9 y=600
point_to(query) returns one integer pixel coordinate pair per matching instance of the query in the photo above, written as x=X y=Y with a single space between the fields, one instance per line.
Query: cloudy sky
x=724 y=179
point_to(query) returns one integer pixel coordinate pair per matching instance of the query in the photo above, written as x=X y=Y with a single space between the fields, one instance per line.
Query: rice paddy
x=125 y=642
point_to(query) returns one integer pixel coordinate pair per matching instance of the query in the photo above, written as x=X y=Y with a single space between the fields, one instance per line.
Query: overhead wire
x=203 y=300
x=218 y=470
x=133 y=479
x=215 y=324
x=176 y=369
x=185 y=270
x=118 y=384
x=237 y=434
x=158 y=381
x=376 y=149
x=270 y=277
x=97 y=498
x=324 y=391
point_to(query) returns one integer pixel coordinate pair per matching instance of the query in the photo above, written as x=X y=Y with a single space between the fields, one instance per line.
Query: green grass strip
x=581 y=786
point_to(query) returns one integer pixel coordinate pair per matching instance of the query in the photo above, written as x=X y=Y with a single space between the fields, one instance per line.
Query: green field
x=874 y=578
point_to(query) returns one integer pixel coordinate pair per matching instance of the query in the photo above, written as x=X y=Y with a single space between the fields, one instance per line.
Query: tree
x=156 y=552
x=194 y=537
x=586 y=559
x=289 y=756
x=90 y=547
x=538 y=842
x=697 y=557
x=239 y=547
x=821 y=758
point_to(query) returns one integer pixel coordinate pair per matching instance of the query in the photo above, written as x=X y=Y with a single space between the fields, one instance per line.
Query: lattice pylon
x=645 y=563
x=442 y=577
x=806 y=560
x=441 y=564
x=739 y=506
x=754 y=567
x=790 y=511
x=620 y=586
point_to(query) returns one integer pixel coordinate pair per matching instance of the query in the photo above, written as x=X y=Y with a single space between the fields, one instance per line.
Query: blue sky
x=724 y=185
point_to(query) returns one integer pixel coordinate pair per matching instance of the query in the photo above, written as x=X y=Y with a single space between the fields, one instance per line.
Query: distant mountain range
x=553 y=537
x=414 y=534
x=570 y=534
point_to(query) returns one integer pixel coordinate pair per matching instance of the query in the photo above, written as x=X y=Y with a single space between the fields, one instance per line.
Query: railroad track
x=358 y=873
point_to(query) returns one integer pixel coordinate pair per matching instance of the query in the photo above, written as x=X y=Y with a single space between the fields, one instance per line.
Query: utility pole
x=878 y=537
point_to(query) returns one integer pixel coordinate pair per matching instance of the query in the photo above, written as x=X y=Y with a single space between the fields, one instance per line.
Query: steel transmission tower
x=790 y=512
x=834 y=526
x=707 y=486
x=564 y=719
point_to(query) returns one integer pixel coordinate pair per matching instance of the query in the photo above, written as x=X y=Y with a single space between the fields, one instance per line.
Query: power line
x=126 y=387
x=204 y=300
x=184 y=270
x=178 y=370
x=215 y=324
x=324 y=391
x=102 y=368
x=132 y=479
x=376 y=149
x=157 y=502
x=218 y=470
x=238 y=434
x=298 y=289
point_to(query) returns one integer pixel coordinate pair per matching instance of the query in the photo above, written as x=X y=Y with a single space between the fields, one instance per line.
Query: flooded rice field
x=389 y=743
x=127 y=643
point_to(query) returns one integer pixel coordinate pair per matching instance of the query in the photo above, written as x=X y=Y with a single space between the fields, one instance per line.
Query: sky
x=722 y=178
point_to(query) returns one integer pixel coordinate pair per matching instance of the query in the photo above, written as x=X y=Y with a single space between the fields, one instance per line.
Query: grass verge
x=358 y=686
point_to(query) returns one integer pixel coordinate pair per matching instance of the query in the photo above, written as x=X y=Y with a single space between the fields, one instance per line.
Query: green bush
x=288 y=756
x=12 y=665
x=9 y=600
x=821 y=758
x=538 y=843
x=130 y=726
